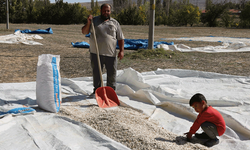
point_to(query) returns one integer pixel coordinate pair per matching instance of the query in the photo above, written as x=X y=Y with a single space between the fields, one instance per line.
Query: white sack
x=48 y=83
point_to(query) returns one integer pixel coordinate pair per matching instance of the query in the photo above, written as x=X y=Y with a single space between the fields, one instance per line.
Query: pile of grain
x=129 y=127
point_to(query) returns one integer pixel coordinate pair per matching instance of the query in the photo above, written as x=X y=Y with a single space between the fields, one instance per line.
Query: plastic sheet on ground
x=229 y=44
x=51 y=132
x=163 y=95
x=80 y=44
x=132 y=44
x=19 y=37
x=38 y=31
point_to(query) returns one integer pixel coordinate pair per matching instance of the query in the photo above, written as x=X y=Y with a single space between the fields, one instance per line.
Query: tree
x=139 y=3
x=95 y=11
x=208 y=4
x=18 y=11
x=242 y=4
x=158 y=12
x=192 y=14
x=227 y=19
x=119 y=5
x=2 y=11
x=92 y=4
x=245 y=16
x=213 y=12
x=132 y=16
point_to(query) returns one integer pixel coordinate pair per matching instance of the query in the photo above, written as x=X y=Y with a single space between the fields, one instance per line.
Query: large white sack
x=48 y=83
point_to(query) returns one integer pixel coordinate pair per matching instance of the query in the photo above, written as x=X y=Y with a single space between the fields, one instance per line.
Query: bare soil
x=18 y=62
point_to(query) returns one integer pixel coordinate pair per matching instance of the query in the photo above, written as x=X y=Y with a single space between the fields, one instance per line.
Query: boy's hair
x=197 y=98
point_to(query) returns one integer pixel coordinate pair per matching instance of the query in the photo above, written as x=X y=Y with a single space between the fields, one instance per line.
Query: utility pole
x=151 y=25
x=7 y=13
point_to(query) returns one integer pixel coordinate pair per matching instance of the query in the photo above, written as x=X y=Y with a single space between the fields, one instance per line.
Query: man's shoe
x=212 y=142
x=203 y=135
x=92 y=95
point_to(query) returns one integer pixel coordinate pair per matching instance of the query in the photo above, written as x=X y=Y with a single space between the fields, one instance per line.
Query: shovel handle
x=97 y=52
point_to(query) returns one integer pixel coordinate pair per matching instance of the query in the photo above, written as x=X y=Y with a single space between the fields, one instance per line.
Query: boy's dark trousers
x=210 y=129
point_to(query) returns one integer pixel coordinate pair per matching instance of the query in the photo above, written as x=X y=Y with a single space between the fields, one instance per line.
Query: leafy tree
x=34 y=9
x=95 y=11
x=158 y=5
x=243 y=3
x=245 y=16
x=119 y=5
x=208 y=4
x=166 y=5
x=17 y=10
x=2 y=11
x=139 y=3
x=227 y=19
x=92 y=4
x=132 y=16
x=191 y=14
x=183 y=14
x=83 y=15
x=185 y=1
x=159 y=12
x=233 y=5
x=213 y=12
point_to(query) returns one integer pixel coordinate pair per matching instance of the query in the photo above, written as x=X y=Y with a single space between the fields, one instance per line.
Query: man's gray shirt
x=107 y=34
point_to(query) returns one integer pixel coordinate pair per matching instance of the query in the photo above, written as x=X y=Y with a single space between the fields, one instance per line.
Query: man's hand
x=90 y=18
x=86 y=27
x=120 y=55
x=189 y=136
x=121 y=47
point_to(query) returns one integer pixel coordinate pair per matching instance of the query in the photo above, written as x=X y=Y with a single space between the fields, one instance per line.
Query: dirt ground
x=18 y=61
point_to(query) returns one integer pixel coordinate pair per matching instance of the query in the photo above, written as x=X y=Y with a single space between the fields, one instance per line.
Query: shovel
x=105 y=96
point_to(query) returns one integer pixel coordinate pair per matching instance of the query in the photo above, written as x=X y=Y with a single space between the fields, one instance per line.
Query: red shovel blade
x=106 y=97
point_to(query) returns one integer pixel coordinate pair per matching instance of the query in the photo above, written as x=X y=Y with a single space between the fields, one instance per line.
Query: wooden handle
x=97 y=52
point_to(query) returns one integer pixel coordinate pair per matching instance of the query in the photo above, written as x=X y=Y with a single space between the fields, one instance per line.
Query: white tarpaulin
x=162 y=94
x=18 y=37
x=229 y=44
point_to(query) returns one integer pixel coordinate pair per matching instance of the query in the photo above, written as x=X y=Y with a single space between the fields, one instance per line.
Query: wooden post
x=151 y=25
x=7 y=13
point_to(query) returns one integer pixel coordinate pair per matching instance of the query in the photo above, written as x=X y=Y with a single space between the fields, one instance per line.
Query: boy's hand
x=189 y=136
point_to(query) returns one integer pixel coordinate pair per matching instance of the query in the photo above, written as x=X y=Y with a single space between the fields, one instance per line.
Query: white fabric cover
x=163 y=95
x=50 y=132
x=228 y=44
x=19 y=37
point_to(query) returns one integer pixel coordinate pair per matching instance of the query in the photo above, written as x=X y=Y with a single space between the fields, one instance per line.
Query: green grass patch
x=150 y=53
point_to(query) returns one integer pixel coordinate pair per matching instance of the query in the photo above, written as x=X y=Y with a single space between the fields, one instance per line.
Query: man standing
x=108 y=31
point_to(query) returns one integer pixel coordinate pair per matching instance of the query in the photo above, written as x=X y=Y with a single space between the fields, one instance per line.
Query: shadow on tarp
x=74 y=98
x=26 y=101
x=181 y=140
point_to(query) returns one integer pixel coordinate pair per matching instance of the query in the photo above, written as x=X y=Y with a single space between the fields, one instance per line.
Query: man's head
x=198 y=102
x=105 y=11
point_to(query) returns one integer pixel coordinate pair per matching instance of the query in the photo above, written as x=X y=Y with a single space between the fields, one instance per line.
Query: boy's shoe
x=212 y=142
x=203 y=135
